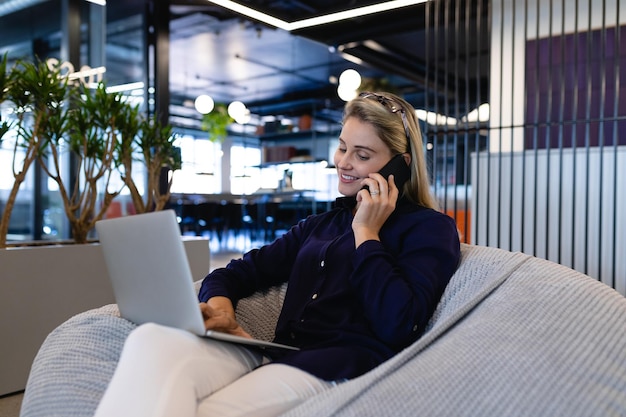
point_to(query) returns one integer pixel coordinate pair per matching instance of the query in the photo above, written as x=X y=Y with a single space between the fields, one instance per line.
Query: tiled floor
x=220 y=256
x=10 y=405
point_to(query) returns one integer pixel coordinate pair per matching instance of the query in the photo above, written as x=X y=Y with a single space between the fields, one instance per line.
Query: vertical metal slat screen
x=545 y=172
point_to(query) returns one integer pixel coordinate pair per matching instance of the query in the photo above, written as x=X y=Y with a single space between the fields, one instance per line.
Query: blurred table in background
x=261 y=216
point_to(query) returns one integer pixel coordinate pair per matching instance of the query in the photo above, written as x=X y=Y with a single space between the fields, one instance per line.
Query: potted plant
x=4 y=128
x=216 y=123
x=87 y=130
x=148 y=140
x=38 y=94
x=55 y=119
x=103 y=134
x=72 y=277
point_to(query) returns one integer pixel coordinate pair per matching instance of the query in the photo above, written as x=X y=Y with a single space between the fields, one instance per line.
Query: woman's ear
x=407 y=158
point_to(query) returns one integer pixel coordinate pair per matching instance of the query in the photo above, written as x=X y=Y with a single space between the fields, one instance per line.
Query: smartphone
x=400 y=170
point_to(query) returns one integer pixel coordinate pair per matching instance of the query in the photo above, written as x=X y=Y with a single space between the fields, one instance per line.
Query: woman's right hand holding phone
x=374 y=206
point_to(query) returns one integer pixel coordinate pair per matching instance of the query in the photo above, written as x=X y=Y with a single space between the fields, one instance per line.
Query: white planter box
x=41 y=287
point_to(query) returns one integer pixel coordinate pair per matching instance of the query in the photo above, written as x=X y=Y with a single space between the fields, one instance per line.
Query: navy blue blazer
x=348 y=309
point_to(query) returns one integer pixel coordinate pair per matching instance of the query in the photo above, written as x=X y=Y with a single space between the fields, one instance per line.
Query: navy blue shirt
x=348 y=309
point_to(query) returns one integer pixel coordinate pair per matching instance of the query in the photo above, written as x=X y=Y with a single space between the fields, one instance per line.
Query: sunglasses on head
x=393 y=106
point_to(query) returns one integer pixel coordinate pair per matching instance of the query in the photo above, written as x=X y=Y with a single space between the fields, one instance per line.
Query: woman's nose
x=343 y=162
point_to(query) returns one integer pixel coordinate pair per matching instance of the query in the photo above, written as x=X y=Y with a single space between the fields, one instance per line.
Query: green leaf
x=216 y=123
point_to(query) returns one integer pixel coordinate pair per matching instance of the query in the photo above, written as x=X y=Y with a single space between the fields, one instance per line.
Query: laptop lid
x=149 y=270
x=151 y=277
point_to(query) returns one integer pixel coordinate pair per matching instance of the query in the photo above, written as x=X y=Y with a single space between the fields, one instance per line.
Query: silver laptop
x=151 y=277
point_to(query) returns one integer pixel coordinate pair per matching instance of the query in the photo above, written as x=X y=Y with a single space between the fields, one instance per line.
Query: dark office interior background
x=522 y=102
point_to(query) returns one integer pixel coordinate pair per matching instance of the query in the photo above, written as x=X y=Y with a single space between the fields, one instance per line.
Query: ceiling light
x=434 y=118
x=350 y=79
x=125 y=87
x=254 y=14
x=346 y=94
x=204 y=104
x=237 y=110
x=244 y=118
x=481 y=114
x=318 y=20
x=87 y=73
x=354 y=59
x=349 y=14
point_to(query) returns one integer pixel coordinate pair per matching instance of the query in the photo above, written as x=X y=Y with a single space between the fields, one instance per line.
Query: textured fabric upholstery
x=513 y=335
x=258 y=313
x=537 y=339
x=75 y=363
x=77 y=360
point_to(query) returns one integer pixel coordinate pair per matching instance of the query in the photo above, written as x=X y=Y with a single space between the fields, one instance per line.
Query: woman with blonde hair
x=363 y=281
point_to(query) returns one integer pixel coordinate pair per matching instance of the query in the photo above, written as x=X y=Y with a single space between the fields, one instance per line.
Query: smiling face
x=360 y=152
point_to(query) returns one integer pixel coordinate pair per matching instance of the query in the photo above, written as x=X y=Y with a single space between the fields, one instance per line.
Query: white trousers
x=169 y=372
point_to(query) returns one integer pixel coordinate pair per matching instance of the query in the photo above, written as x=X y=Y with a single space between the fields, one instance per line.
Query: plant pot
x=43 y=286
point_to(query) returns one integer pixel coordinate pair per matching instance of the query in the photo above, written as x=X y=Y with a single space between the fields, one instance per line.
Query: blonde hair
x=384 y=111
